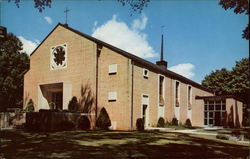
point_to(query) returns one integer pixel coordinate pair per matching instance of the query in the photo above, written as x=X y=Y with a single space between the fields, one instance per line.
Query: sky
x=199 y=36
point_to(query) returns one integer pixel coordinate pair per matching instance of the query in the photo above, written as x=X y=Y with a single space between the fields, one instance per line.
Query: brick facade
x=88 y=62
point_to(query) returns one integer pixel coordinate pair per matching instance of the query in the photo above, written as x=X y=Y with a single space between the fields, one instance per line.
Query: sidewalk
x=196 y=132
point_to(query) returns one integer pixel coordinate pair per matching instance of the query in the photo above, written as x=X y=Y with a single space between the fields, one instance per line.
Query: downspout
x=98 y=52
x=132 y=94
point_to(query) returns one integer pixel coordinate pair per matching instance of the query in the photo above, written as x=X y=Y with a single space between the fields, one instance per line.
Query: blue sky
x=199 y=36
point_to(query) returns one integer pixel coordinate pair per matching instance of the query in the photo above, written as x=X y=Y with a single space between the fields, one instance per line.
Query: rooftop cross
x=66 y=12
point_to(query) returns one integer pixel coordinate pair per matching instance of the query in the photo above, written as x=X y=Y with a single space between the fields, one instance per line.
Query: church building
x=69 y=63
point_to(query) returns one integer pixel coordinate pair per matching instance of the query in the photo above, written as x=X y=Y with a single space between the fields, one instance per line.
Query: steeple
x=162 y=62
x=161 y=47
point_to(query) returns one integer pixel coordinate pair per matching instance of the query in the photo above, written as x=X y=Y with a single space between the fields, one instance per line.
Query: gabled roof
x=136 y=59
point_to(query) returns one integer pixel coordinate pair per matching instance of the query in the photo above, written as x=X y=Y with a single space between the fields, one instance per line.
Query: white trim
x=163 y=95
x=191 y=94
x=147 y=110
x=112 y=69
x=112 y=96
x=179 y=94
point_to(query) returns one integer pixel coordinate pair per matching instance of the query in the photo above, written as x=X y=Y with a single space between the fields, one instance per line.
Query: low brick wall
x=52 y=121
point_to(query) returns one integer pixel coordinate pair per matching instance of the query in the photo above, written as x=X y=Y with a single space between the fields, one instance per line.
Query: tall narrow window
x=177 y=85
x=189 y=97
x=161 y=99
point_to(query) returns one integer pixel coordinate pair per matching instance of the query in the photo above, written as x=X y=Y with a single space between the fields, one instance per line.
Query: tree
x=234 y=82
x=13 y=66
x=103 y=121
x=218 y=81
x=136 y=5
x=240 y=7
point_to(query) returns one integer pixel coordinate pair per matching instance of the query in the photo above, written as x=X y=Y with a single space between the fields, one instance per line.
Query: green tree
x=135 y=5
x=218 y=81
x=13 y=65
x=240 y=7
x=103 y=121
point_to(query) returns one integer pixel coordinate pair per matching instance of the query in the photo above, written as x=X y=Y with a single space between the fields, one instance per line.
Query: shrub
x=30 y=106
x=73 y=105
x=103 y=120
x=139 y=124
x=222 y=137
x=84 y=123
x=161 y=122
x=188 y=123
x=175 y=121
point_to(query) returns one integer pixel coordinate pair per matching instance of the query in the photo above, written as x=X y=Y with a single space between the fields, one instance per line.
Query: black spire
x=162 y=62
x=161 y=47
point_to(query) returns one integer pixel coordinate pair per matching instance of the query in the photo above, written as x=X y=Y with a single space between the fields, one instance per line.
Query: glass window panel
x=211 y=121
x=211 y=102
x=211 y=114
x=223 y=107
x=205 y=107
x=223 y=102
x=205 y=114
x=205 y=121
x=217 y=107
x=217 y=102
x=211 y=107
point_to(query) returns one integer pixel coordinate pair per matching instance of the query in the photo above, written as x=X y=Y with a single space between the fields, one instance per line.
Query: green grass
x=116 y=145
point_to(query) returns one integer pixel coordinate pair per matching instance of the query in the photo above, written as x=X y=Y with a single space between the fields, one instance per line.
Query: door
x=145 y=115
x=57 y=100
x=217 y=119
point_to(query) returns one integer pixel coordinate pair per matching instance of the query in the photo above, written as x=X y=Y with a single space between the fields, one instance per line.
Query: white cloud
x=48 y=19
x=140 y=24
x=28 y=45
x=186 y=69
x=118 y=33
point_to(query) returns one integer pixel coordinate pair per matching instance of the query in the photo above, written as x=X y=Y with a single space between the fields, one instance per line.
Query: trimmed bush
x=73 y=105
x=175 y=121
x=84 y=123
x=139 y=124
x=30 y=106
x=103 y=121
x=188 y=123
x=161 y=122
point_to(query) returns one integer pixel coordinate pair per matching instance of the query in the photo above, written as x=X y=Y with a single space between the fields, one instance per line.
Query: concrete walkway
x=196 y=132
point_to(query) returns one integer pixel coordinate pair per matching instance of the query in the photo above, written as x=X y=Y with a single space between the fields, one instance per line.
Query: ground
x=116 y=145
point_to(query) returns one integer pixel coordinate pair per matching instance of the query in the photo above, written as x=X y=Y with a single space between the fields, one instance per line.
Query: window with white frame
x=177 y=94
x=58 y=57
x=112 y=96
x=189 y=97
x=161 y=90
x=145 y=73
x=112 y=69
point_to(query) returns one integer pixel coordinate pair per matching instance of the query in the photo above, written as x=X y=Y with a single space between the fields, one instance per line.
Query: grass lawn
x=116 y=145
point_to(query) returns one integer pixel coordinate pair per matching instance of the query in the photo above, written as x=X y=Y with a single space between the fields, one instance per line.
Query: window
x=189 y=97
x=58 y=57
x=214 y=112
x=112 y=69
x=177 y=87
x=145 y=73
x=112 y=96
x=161 y=88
